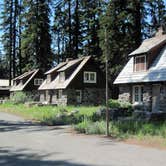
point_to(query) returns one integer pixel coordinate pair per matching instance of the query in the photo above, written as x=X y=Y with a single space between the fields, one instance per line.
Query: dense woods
x=41 y=33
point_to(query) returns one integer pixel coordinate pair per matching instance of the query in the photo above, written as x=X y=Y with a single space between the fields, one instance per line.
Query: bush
x=114 y=103
x=123 y=128
x=120 y=104
x=20 y=98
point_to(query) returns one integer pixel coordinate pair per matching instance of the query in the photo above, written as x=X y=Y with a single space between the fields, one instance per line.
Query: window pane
x=92 y=77
x=140 y=63
x=86 y=76
x=141 y=91
x=136 y=97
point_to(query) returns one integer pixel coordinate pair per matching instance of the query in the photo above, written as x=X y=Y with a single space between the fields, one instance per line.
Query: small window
x=137 y=94
x=59 y=94
x=79 y=96
x=38 y=81
x=89 y=77
x=140 y=63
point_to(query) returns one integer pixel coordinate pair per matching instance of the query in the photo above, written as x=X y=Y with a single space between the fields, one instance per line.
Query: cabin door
x=155 y=98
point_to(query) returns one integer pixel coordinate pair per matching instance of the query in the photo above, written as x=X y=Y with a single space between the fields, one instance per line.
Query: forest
x=42 y=33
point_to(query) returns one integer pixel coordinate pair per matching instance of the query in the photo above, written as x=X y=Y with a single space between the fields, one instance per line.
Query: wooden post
x=106 y=89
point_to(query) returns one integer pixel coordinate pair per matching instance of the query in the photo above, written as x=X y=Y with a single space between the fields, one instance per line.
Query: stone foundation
x=125 y=94
x=90 y=96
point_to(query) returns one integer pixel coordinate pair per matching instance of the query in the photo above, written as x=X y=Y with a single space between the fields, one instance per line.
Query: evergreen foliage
x=40 y=33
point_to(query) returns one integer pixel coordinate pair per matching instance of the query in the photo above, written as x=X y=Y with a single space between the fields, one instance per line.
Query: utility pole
x=106 y=87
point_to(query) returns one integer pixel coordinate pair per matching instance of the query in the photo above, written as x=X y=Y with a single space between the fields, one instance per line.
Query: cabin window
x=79 y=96
x=59 y=94
x=89 y=77
x=137 y=94
x=38 y=81
x=140 y=63
x=61 y=76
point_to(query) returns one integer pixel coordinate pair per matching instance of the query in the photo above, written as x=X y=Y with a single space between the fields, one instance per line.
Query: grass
x=124 y=129
x=45 y=114
x=141 y=133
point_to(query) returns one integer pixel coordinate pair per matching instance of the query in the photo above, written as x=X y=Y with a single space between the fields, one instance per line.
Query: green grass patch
x=48 y=114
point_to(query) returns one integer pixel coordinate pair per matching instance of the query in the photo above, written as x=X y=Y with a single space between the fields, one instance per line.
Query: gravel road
x=25 y=144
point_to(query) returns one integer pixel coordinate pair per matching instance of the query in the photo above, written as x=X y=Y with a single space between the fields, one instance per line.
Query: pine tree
x=36 y=39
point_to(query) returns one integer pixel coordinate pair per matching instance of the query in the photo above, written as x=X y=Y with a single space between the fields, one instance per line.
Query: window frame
x=145 y=63
x=80 y=96
x=140 y=94
x=59 y=93
x=89 y=77
x=37 y=80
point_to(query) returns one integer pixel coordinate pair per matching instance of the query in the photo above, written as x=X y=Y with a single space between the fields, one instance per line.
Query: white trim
x=145 y=64
x=139 y=94
x=38 y=81
x=89 y=80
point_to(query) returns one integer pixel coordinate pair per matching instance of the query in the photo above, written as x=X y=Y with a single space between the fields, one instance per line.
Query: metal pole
x=106 y=89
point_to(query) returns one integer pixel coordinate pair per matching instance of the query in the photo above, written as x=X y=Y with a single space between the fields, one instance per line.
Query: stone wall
x=51 y=97
x=125 y=93
x=162 y=104
x=93 y=96
x=90 y=96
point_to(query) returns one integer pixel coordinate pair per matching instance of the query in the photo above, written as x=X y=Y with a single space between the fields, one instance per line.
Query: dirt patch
x=151 y=142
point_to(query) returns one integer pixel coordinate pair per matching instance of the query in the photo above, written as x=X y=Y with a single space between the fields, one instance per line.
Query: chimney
x=68 y=59
x=159 y=32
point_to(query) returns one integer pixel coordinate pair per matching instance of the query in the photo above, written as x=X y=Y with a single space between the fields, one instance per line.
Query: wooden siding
x=78 y=81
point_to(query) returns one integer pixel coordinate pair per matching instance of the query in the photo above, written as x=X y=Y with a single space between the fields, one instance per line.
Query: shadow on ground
x=9 y=126
x=21 y=157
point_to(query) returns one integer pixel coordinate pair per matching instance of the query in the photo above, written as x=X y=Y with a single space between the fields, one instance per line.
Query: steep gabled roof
x=55 y=84
x=148 y=44
x=70 y=64
x=156 y=73
x=60 y=65
x=21 y=86
x=24 y=75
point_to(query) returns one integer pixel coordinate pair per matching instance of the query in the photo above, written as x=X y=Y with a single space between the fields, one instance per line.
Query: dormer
x=62 y=76
x=148 y=51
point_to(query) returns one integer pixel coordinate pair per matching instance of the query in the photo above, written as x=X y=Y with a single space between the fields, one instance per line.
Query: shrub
x=114 y=103
x=120 y=104
x=123 y=128
x=20 y=98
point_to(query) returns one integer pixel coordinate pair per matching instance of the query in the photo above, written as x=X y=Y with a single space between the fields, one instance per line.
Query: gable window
x=89 y=77
x=140 y=63
x=38 y=81
x=137 y=94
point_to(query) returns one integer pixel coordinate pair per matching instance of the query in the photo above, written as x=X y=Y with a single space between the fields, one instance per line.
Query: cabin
x=143 y=80
x=28 y=82
x=74 y=82
x=4 y=88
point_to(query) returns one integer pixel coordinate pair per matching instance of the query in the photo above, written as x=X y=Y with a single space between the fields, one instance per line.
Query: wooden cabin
x=28 y=82
x=143 y=79
x=74 y=82
x=4 y=88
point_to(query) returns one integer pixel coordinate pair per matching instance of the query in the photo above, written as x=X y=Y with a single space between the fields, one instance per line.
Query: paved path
x=26 y=144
